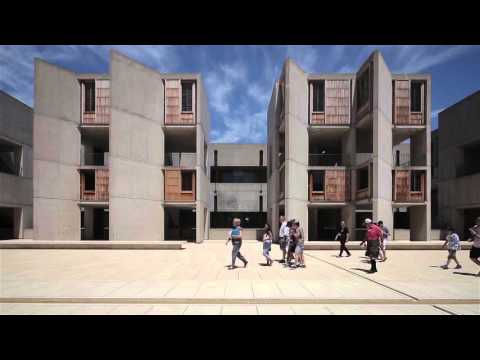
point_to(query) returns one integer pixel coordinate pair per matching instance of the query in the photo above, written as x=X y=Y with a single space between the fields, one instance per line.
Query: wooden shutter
x=402 y=102
x=172 y=184
x=172 y=101
x=402 y=185
x=102 y=103
x=335 y=185
x=337 y=102
x=101 y=185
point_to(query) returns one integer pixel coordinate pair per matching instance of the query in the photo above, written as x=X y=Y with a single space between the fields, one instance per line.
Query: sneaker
x=458 y=267
x=445 y=267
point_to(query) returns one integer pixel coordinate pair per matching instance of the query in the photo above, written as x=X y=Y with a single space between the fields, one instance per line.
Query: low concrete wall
x=393 y=245
x=248 y=234
x=117 y=245
x=401 y=234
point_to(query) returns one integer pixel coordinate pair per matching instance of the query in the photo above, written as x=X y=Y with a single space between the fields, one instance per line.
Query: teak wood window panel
x=173 y=186
x=402 y=186
x=334 y=186
x=100 y=192
x=363 y=192
x=402 y=100
x=334 y=107
x=95 y=102
x=173 y=102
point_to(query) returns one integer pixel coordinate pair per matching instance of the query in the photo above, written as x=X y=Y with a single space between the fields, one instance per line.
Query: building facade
x=456 y=166
x=238 y=175
x=331 y=144
x=120 y=156
x=16 y=214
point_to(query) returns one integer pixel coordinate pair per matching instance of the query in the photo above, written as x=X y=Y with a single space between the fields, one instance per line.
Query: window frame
x=182 y=182
x=186 y=85
x=94 y=100
x=93 y=174
x=420 y=85
x=315 y=86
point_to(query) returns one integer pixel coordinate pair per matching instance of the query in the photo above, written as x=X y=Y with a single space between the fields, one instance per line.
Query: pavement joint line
x=365 y=277
x=239 y=301
x=444 y=310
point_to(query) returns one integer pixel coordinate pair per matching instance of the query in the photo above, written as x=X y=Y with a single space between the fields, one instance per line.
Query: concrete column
x=296 y=144
x=348 y=215
x=382 y=142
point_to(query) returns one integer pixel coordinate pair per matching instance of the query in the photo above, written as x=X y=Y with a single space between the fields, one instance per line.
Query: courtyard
x=196 y=280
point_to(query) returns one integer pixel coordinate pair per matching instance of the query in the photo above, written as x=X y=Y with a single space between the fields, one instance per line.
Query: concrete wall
x=16 y=126
x=238 y=197
x=272 y=161
x=56 y=154
x=136 y=151
x=296 y=144
x=237 y=154
x=248 y=234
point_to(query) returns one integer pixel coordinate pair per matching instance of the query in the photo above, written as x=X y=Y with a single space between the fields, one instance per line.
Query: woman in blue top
x=235 y=235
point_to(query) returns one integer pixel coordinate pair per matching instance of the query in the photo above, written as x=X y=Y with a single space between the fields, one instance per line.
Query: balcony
x=94 y=185
x=409 y=185
x=329 y=186
x=325 y=159
x=181 y=159
x=180 y=185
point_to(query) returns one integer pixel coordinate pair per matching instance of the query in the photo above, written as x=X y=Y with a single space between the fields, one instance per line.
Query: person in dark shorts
x=283 y=235
x=372 y=237
x=475 y=250
x=343 y=236
x=291 y=242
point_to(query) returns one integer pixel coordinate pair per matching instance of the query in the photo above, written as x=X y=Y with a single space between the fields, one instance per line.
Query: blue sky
x=239 y=79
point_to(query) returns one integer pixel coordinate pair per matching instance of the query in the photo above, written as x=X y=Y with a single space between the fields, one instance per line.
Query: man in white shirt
x=283 y=235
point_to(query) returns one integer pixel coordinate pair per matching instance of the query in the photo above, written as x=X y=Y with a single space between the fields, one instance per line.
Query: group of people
x=291 y=239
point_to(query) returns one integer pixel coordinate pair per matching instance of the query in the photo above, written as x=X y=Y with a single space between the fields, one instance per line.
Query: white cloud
x=250 y=128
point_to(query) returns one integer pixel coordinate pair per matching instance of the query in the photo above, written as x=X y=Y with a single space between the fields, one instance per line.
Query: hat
x=368 y=221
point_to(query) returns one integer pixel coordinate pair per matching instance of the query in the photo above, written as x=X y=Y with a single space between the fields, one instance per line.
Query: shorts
x=267 y=245
x=283 y=242
x=292 y=246
x=373 y=247
x=299 y=248
x=452 y=252
x=474 y=252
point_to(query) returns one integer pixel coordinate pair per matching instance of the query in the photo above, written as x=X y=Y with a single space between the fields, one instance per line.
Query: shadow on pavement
x=464 y=273
x=364 y=270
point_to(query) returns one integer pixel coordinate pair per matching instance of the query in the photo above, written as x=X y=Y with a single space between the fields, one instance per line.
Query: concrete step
x=391 y=245
x=99 y=244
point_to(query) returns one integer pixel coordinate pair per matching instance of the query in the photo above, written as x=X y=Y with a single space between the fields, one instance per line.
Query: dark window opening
x=397 y=159
x=318 y=181
x=180 y=224
x=416 y=180
x=238 y=174
x=187 y=181
x=215 y=203
x=362 y=178
x=416 y=96
x=401 y=218
x=89 y=177
x=261 y=158
x=363 y=88
x=82 y=219
x=471 y=164
x=187 y=91
x=260 y=203
x=319 y=96
x=10 y=158
x=249 y=220
x=89 y=96
x=215 y=158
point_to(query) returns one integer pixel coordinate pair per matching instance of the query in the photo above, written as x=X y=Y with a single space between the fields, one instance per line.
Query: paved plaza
x=196 y=281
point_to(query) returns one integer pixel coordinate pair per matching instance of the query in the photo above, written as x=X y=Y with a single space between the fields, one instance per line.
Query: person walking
x=453 y=242
x=475 y=250
x=299 y=245
x=267 y=244
x=383 y=242
x=343 y=236
x=291 y=242
x=235 y=236
x=372 y=238
x=283 y=235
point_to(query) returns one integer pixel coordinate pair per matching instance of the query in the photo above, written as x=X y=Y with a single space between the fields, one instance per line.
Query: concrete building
x=331 y=141
x=238 y=174
x=15 y=168
x=120 y=156
x=456 y=166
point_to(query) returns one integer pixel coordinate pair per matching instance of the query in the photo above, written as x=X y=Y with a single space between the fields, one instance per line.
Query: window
x=416 y=178
x=261 y=158
x=215 y=158
x=187 y=181
x=215 y=203
x=10 y=158
x=416 y=96
x=82 y=218
x=397 y=159
x=318 y=181
x=187 y=88
x=260 y=203
x=319 y=96
x=363 y=89
x=89 y=177
x=362 y=178
x=89 y=96
x=238 y=174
